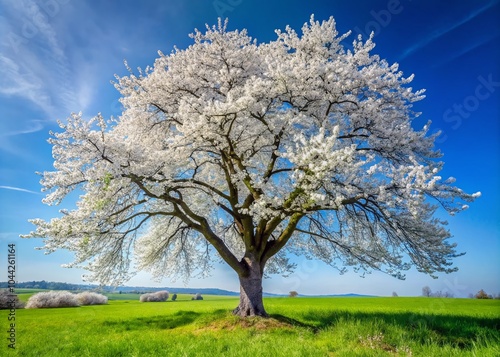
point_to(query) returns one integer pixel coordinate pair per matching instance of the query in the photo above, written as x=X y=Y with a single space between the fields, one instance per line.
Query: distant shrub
x=158 y=296
x=91 y=298
x=197 y=297
x=49 y=299
x=8 y=301
x=163 y=295
x=174 y=297
x=293 y=294
x=445 y=294
x=148 y=297
x=426 y=291
x=481 y=294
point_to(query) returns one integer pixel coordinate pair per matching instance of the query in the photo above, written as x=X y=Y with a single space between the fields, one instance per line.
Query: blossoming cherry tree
x=249 y=152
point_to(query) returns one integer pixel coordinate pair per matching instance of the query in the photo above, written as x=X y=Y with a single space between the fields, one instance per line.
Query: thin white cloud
x=19 y=189
x=444 y=30
x=57 y=68
x=33 y=65
x=32 y=127
x=16 y=79
x=466 y=50
x=8 y=235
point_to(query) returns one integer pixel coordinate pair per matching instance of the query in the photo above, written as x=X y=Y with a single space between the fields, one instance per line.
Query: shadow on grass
x=293 y=322
x=179 y=319
x=454 y=330
x=457 y=331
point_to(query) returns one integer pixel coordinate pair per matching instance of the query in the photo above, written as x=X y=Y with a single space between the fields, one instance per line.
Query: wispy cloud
x=19 y=189
x=49 y=67
x=18 y=80
x=32 y=126
x=473 y=47
x=54 y=66
x=33 y=63
x=8 y=235
x=444 y=30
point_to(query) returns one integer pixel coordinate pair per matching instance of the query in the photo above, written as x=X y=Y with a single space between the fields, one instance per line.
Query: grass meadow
x=300 y=326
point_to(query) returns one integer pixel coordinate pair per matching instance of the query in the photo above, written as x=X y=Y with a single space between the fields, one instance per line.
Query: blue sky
x=59 y=57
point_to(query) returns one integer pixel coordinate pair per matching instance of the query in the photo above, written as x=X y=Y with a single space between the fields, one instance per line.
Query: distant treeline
x=51 y=285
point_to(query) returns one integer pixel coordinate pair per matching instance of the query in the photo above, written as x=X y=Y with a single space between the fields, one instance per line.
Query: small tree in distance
x=481 y=294
x=293 y=294
x=250 y=152
x=426 y=291
x=394 y=294
x=438 y=293
x=448 y=294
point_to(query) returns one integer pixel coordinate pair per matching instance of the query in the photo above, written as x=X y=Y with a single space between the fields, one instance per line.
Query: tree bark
x=251 y=303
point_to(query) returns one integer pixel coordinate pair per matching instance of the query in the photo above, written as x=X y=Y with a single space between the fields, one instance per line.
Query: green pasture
x=128 y=296
x=24 y=294
x=297 y=327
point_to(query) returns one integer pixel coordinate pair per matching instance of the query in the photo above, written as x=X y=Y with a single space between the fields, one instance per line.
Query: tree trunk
x=251 y=303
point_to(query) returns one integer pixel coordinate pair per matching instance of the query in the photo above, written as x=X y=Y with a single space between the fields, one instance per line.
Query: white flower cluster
x=157 y=296
x=52 y=299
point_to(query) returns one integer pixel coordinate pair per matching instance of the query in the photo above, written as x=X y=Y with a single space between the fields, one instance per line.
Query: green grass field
x=298 y=327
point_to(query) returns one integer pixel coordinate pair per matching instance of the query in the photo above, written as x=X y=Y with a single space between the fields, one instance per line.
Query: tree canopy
x=251 y=151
